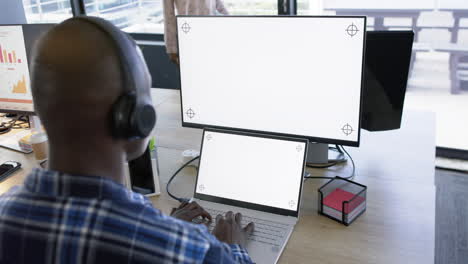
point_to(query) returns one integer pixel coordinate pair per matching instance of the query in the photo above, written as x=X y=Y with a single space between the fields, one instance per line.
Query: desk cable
x=340 y=149
x=330 y=163
x=172 y=178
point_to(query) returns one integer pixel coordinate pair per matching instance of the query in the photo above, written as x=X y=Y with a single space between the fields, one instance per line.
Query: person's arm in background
x=221 y=8
x=170 y=30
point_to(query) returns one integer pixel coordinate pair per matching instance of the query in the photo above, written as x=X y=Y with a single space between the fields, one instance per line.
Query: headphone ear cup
x=144 y=120
x=122 y=115
x=130 y=120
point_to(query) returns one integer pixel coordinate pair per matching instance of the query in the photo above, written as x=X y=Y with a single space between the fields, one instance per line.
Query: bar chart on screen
x=15 y=92
x=7 y=57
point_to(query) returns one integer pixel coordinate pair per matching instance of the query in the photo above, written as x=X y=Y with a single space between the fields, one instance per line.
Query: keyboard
x=266 y=231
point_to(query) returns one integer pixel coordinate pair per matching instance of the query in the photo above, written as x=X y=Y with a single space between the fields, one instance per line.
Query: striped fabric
x=60 y=218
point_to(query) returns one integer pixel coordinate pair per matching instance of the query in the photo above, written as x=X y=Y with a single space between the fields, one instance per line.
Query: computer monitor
x=388 y=56
x=293 y=76
x=16 y=43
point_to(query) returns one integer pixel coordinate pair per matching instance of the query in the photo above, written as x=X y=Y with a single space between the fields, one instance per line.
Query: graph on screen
x=20 y=86
x=15 y=92
x=7 y=57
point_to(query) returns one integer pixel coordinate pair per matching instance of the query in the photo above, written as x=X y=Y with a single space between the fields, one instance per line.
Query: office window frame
x=285 y=7
x=35 y=11
x=78 y=7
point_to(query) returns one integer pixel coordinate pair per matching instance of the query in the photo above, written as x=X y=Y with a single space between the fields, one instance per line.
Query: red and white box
x=342 y=200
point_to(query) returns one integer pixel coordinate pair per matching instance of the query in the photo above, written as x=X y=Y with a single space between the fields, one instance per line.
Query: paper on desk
x=10 y=140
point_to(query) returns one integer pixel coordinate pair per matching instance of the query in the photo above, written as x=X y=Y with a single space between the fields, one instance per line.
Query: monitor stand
x=319 y=153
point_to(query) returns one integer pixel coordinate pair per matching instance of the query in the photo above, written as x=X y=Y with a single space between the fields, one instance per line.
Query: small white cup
x=40 y=146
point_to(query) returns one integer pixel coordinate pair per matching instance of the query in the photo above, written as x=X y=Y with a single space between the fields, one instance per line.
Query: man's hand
x=229 y=229
x=190 y=211
x=174 y=57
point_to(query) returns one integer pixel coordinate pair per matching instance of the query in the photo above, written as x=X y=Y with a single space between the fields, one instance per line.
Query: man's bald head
x=76 y=78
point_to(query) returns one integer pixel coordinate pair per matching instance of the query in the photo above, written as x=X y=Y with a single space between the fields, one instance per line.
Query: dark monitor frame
x=452 y=153
x=309 y=138
x=29 y=44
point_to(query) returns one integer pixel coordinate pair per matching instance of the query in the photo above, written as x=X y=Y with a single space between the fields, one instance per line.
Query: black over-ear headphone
x=133 y=115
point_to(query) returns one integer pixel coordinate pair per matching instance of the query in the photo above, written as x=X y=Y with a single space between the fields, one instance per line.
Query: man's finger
x=218 y=218
x=192 y=205
x=192 y=214
x=229 y=217
x=238 y=218
x=205 y=214
x=249 y=228
x=195 y=206
x=199 y=212
x=182 y=205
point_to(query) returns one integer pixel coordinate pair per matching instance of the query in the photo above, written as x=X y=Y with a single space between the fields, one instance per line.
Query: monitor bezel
x=309 y=138
x=253 y=206
x=23 y=112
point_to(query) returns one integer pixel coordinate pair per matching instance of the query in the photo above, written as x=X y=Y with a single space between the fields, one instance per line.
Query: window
x=252 y=7
x=438 y=80
x=146 y=16
x=133 y=16
x=47 y=11
x=309 y=7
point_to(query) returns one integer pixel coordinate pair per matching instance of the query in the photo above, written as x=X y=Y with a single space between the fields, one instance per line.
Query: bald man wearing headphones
x=91 y=89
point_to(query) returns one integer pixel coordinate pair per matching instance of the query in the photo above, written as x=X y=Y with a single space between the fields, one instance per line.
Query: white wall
x=12 y=12
x=453 y=4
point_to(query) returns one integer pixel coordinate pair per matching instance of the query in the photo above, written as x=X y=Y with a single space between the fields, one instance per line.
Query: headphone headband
x=124 y=46
x=132 y=116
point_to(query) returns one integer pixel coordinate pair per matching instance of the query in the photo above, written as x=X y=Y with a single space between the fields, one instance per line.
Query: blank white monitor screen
x=230 y=170
x=296 y=76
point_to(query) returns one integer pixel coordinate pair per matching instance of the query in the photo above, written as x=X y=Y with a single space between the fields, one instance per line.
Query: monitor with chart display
x=16 y=43
x=293 y=76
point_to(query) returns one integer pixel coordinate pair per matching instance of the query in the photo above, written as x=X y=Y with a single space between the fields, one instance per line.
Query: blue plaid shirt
x=60 y=218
